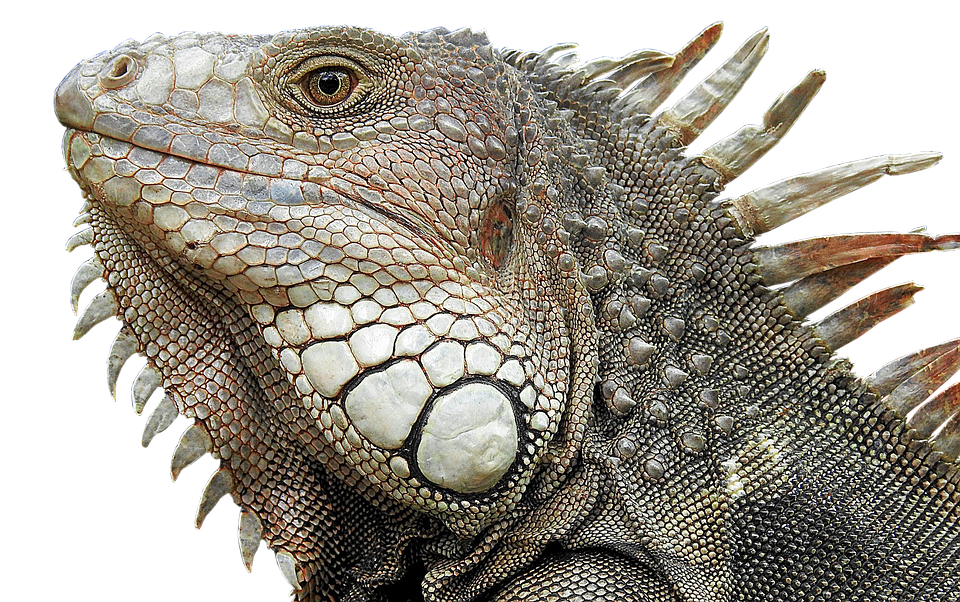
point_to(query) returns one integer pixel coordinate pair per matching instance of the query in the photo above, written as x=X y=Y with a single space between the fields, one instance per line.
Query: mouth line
x=414 y=224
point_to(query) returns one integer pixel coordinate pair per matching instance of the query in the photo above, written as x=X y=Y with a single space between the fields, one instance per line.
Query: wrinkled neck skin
x=344 y=310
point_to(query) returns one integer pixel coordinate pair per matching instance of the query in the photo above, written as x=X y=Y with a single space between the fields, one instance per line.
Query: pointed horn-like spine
x=250 y=533
x=596 y=67
x=161 y=419
x=288 y=568
x=937 y=412
x=83 y=218
x=650 y=92
x=102 y=306
x=551 y=52
x=809 y=294
x=627 y=69
x=699 y=107
x=194 y=442
x=851 y=322
x=789 y=261
x=89 y=271
x=766 y=208
x=892 y=375
x=735 y=154
x=147 y=381
x=219 y=485
x=638 y=65
x=913 y=380
x=921 y=384
x=83 y=237
x=815 y=291
x=124 y=346
x=939 y=419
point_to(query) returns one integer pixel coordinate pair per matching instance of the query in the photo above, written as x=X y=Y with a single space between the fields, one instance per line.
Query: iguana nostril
x=118 y=72
x=72 y=106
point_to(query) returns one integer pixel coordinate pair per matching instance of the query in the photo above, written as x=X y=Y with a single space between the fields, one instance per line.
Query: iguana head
x=333 y=244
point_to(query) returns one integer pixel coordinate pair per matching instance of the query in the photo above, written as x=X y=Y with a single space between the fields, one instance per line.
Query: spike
x=161 y=418
x=674 y=327
x=935 y=414
x=812 y=293
x=641 y=63
x=83 y=237
x=591 y=69
x=622 y=401
x=89 y=271
x=789 y=261
x=847 y=324
x=147 y=381
x=735 y=154
x=921 y=384
x=194 y=442
x=766 y=208
x=699 y=107
x=565 y=60
x=219 y=485
x=123 y=347
x=102 y=306
x=550 y=52
x=288 y=568
x=250 y=532
x=674 y=376
x=886 y=379
x=809 y=294
x=650 y=92
x=627 y=69
x=639 y=351
x=701 y=363
x=724 y=423
x=83 y=218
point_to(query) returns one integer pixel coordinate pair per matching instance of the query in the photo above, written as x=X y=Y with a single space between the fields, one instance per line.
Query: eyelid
x=312 y=64
x=294 y=79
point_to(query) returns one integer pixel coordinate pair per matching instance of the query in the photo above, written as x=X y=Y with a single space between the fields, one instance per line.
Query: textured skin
x=581 y=560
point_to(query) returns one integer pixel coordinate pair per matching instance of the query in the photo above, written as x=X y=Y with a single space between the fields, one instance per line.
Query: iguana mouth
x=282 y=192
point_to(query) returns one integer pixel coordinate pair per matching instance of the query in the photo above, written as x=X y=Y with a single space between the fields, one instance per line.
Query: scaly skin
x=467 y=324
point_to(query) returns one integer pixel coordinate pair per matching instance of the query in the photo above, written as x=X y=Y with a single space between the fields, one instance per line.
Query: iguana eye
x=329 y=86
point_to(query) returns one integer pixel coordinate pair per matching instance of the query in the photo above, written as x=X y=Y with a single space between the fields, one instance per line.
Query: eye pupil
x=328 y=83
x=329 y=86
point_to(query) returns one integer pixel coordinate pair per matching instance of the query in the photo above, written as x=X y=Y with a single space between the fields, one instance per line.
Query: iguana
x=462 y=323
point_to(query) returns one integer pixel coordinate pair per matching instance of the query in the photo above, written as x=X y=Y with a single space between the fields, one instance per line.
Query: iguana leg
x=587 y=575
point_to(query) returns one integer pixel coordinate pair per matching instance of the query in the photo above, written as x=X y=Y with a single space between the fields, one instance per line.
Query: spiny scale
x=849 y=323
x=766 y=208
x=193 y=444
x=103 y=306
x=651 y=91
x=219 y=485
x=250 y=532
x=734 y=155
x=124 y=346
x=89 y=271
x=693 y=113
